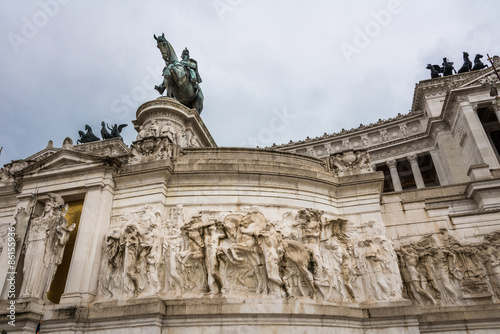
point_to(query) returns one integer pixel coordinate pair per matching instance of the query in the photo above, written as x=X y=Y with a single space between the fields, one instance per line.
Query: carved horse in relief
x=177 y=78
x=242 y=251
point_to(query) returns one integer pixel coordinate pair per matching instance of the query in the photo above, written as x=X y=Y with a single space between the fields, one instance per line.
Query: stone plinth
x=167 y=117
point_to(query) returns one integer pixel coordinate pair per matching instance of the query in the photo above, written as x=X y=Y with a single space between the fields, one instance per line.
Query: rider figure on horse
x=191 y=66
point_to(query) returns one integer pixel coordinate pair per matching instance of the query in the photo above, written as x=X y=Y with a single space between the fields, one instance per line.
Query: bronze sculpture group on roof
x=89 y=136
x=448 y=69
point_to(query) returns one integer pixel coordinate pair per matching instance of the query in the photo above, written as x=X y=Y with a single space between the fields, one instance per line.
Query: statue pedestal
x=166 y=117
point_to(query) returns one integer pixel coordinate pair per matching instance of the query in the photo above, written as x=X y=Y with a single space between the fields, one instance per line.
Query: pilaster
x=486 y=152
x=81 y=286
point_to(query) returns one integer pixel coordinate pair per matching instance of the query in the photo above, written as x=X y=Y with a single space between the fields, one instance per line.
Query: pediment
x=67 y=160
x=105 y=148
x=481 y=78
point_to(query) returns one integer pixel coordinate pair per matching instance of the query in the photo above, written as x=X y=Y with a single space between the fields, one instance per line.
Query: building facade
x=392 y=227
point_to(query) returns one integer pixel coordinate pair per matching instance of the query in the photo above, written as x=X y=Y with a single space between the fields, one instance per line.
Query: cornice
x=346 y=134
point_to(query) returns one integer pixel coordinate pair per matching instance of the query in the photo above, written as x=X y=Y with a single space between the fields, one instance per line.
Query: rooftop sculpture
x=89 y=136
x=448 y=69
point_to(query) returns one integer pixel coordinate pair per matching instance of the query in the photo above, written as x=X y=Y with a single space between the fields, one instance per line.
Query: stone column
x=394 y=175
x=81 y=285
x=413 y=159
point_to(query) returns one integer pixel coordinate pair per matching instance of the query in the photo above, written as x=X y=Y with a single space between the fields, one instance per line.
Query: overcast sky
x=272 y=71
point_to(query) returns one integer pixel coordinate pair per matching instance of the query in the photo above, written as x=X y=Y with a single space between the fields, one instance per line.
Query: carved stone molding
x=153 y=149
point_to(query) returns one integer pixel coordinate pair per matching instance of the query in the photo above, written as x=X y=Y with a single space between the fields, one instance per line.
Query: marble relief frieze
x=306 y=254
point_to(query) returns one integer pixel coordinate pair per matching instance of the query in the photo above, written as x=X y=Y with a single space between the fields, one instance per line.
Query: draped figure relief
x=439 y=270
x=46 y=240
x=305 y=253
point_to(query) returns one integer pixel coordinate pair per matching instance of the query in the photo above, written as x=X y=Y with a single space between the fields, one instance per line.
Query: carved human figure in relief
x=254 y=224
x=193 y=142
x=312 y=152
x=142 y=133
x=183 y=142
x=131 y=242
x=47 y=238
x=376 y=263
x=153 y=129
x=376 y=277
x=112 y=267
x=169 y=132
x=346 y=145
x=328 y=149
x=172 y=248
x=197 y=248
x=152 y=246
x=417 y=281
x=174 y=245
x=491 y=258
x=242 y=252
x=311 y=238
x=365 y=140
x=404 y=130
x=212 y=237
x=383 y=135
x=438 y=260
x=334 y=257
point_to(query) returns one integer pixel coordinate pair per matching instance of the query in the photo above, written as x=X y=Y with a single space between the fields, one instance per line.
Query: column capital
x=413 y=159
x=391 y=163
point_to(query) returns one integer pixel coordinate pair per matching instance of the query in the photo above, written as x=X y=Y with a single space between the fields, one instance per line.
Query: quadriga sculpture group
x=306 y=254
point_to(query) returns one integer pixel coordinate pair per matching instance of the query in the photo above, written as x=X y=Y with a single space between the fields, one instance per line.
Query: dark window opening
x=406 y=175
x=491 y=127
x=428 y=171
x=426 y=166
x=388 y=186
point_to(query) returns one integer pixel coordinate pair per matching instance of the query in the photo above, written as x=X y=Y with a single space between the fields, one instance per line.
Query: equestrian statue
x=181 y=78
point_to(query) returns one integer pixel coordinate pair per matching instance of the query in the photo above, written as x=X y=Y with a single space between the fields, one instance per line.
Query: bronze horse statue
x=478 y=64
x=467 y=66
x=178 y=78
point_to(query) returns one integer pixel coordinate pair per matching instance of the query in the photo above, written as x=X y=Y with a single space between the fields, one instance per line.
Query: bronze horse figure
x=177 y=78
x=478 y=64
x=467 y=66
x=435 y=70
